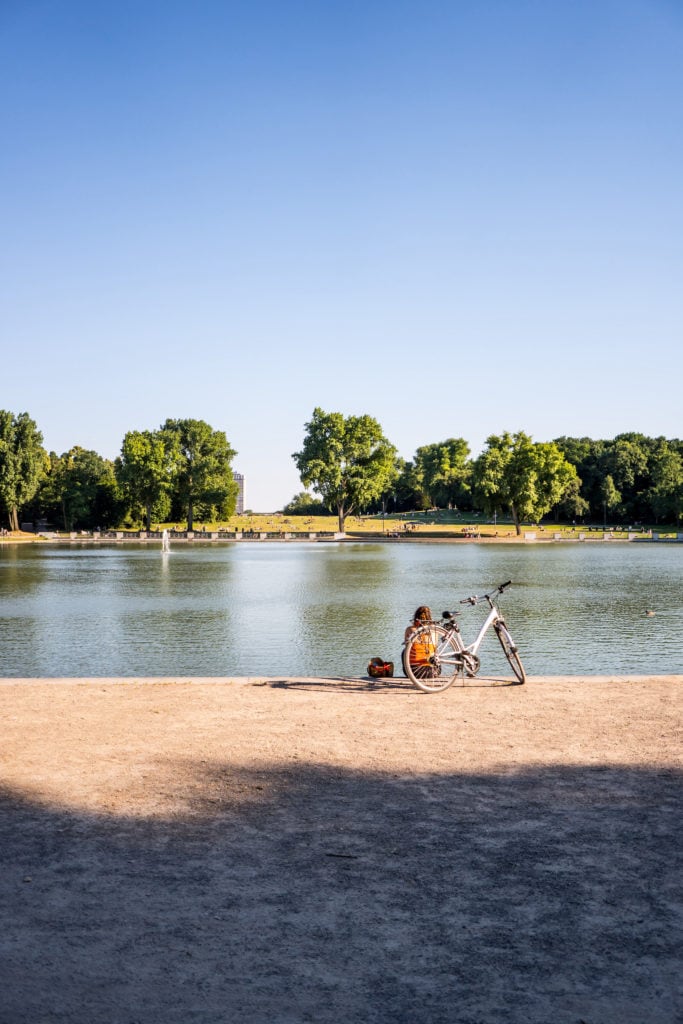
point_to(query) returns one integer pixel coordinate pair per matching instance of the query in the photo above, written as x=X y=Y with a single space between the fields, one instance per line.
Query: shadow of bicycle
x=368 y=684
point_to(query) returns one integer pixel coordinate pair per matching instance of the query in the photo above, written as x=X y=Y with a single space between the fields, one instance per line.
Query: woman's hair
x=422 y=614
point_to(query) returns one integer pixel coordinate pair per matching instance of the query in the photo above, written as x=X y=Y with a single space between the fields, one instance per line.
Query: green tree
x=346 y=460
x=145 y=472
x=611 y=497
x=572 y=504
x=22 y=463
x=586 y=455
x=526 y=478
x=666 y=494
x=304 y=504
x=110 y=505
x=409 y=490
x=626 y=460
x=46 y=502
x=86 y=474
x=442 y=471
x=80 y=487
x=202 y=460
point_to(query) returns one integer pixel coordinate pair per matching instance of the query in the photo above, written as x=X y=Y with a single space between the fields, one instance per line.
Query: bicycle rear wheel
x=432 y=659
x=510 y=650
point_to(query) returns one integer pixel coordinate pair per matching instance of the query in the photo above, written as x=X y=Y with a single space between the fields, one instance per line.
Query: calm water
x=325 y=609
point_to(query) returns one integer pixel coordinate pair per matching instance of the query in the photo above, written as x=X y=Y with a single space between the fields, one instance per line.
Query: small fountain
x=165 y=542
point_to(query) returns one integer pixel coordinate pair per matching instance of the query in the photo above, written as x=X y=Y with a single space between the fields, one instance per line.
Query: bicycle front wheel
x=510 y=650
x=432 y=659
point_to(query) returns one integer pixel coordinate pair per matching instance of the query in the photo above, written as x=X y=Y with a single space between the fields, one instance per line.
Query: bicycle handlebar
x=484 y=597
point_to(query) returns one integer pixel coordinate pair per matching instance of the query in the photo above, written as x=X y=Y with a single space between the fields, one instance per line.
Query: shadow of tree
x=302 y=893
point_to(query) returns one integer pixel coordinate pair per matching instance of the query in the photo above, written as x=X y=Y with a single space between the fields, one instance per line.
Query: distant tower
x=239 y=480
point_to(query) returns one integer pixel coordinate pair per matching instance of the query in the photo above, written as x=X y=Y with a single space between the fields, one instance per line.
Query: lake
x=309 y=609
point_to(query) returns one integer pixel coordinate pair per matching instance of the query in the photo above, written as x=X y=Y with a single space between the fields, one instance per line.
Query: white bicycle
x=435 y=654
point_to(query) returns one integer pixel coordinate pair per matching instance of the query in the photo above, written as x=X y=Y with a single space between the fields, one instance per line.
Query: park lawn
x=435 y=522
x=431 y=522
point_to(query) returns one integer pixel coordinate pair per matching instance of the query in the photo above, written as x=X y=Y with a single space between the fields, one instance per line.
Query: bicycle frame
x=493 y=616
x=447 y=653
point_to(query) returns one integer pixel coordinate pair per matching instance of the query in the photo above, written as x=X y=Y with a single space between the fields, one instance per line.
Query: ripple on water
x=306 y=609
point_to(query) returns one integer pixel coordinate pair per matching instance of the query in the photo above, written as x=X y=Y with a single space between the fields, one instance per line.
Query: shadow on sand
x=308 y=894
x=366 y=684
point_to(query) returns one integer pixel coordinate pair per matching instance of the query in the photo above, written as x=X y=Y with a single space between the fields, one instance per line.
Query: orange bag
x=378 y=668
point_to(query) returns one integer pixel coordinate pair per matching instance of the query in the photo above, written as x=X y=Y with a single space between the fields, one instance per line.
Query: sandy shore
x=341 y=850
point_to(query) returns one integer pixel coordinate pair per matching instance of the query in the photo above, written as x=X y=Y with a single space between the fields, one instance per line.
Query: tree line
x=352 y=467
x=183 y=470
x=180 y=471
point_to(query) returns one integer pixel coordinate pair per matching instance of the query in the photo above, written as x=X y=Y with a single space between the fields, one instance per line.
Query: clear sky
x=458 y=216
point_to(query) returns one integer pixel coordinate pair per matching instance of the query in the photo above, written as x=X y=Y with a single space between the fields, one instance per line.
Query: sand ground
x=337 y=850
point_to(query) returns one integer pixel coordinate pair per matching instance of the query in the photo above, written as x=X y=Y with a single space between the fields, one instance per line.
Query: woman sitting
x=422 y=650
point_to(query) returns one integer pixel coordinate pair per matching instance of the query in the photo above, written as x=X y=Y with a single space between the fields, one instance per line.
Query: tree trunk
x=341 y=514
x=515 y=519
x=14 y=519
x=148 y=517
x=190 y=517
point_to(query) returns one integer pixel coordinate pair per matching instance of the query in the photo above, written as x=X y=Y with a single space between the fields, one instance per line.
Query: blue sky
x=459 y=217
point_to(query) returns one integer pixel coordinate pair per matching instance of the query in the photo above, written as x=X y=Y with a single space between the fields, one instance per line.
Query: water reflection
x=325 y=609
x=350 y=602
x=19 y=575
